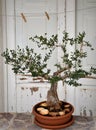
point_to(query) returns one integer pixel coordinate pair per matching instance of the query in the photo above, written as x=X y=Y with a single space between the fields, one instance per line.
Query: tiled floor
x=23 y=121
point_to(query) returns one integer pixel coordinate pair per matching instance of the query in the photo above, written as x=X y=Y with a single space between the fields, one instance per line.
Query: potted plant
x=27 y=60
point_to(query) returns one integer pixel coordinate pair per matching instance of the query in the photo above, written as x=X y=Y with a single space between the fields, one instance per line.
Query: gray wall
x=1 y=65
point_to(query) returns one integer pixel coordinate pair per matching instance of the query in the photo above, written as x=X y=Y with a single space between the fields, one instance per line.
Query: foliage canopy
x=28 y=60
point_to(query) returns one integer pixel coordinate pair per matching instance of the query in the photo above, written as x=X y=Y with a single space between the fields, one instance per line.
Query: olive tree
x=70 y=72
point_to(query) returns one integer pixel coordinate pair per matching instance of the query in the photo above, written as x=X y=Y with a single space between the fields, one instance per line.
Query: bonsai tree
x=27 y=60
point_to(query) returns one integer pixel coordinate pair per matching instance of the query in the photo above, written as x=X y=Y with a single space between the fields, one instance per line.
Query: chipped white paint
x=29 y=94
x=86 y=100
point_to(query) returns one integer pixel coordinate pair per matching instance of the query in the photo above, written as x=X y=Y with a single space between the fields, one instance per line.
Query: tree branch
x=61 y=70
x=64 y=77
x=81 y=47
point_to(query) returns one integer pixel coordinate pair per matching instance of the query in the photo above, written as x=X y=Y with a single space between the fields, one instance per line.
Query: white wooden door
x=84 y=97
x=20 y=93
x=37 y=23
x=23 y=19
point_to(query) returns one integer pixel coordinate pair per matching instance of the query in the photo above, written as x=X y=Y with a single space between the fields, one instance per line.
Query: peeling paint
x=22 y=88
x=12 y=108
x=91 y=113
x=40 y=95
x=84 y=112
x=85 y=90
x=80 y=113
x=34 y=89
x=90 y=95
x=23 y=78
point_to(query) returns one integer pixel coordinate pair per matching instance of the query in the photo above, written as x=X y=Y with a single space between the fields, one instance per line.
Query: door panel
x=17 y=29
x=86 y=21
x=37 y=23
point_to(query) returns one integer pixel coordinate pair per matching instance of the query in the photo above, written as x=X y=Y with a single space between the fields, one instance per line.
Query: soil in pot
x=53 y=120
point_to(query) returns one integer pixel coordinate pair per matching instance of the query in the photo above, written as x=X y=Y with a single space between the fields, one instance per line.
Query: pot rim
x=51 y=117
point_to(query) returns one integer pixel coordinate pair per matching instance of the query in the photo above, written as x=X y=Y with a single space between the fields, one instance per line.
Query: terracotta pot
x=53 y=122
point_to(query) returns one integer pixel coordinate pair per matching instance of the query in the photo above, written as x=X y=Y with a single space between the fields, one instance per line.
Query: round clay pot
x=51 y=122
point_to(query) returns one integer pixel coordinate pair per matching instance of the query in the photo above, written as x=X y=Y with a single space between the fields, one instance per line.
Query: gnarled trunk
x=52 y=98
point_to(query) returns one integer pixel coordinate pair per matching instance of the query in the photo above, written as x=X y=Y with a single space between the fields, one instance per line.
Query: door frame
x=8 y=25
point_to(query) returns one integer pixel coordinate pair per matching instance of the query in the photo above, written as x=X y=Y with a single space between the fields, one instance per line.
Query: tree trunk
x=52 y=98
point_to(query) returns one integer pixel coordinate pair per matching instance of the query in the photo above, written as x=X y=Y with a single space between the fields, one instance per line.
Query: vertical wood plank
x=1 y=63
x=10 y=43
x=61 y=28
